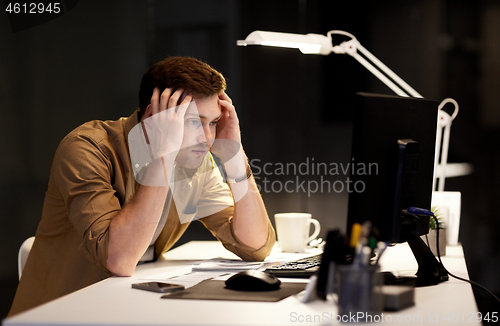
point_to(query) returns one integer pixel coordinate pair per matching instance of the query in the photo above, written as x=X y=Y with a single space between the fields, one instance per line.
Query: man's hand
x=164 y=122
x=228 y=138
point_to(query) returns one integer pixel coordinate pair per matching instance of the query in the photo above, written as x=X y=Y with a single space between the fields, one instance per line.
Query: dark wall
x=84 y=65
x=87 y=64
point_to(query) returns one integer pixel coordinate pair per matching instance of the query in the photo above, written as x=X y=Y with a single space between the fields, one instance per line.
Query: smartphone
x=158 y=287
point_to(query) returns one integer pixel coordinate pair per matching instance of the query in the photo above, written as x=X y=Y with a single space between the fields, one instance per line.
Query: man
x=123 y=192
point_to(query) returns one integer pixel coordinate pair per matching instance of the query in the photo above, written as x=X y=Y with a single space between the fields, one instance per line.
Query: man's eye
x=214 y=123
x=194 y=122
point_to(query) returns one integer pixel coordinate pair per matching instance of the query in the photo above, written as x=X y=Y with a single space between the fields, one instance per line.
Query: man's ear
x=147 y=112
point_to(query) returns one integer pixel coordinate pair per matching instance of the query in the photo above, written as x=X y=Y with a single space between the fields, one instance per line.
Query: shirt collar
x=130 y=123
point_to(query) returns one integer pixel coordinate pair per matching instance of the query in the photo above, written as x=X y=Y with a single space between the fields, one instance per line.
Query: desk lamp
x=320 y=44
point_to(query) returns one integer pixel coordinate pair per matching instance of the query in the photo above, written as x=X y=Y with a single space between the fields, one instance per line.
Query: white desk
x=113 y=302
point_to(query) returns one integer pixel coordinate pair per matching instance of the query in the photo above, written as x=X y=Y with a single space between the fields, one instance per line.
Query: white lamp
x=320 y=44
x=307 y=44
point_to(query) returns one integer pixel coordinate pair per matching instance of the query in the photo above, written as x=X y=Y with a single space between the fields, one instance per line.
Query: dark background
x=87 y=64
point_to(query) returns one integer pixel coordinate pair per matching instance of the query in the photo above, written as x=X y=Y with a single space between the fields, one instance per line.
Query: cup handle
x=317 y=228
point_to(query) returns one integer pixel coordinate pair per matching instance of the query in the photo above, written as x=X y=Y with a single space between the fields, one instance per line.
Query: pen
x=356 y=231
x=366 y=253
x=381 y=246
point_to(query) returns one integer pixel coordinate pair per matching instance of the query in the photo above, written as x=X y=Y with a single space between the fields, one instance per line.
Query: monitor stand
x=430 y=270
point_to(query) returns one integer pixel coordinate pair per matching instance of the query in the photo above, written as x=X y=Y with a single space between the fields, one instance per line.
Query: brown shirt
x=91 y=180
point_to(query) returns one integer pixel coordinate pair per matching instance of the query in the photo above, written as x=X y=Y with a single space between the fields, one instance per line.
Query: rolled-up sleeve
x=85 y=182
x=221 y=226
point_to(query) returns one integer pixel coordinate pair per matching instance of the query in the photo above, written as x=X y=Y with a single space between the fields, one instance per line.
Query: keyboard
x=305 y=267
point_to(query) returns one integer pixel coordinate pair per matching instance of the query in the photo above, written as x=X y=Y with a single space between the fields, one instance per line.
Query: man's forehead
x=192 y=109
x=204 y=109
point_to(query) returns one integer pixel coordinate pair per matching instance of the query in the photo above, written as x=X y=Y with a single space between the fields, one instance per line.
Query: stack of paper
x=226 y=265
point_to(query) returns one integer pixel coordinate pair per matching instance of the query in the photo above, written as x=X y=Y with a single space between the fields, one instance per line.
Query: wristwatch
x=236 y=180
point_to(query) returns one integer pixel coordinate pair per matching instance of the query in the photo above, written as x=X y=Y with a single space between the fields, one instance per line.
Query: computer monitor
x=392 y=168
x=378 y=194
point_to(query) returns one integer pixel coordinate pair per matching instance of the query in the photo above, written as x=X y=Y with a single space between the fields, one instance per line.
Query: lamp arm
x=437 y=151
x=388 y=71
x=378 y=74
x=443 y=141
x=352 y=47
x=444 y=156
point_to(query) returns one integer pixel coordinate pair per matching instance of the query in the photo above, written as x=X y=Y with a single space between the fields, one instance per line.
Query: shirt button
x=136 y=166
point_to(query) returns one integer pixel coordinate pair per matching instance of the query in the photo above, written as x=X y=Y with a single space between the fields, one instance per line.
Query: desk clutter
x=350 y=270
x=348 y=275
x=217 y=290
x=228 y=280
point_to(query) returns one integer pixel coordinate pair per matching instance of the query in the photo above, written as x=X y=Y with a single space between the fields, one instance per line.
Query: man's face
x=200 y=124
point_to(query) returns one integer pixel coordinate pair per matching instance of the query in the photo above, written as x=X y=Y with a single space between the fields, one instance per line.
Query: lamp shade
x=307 y=44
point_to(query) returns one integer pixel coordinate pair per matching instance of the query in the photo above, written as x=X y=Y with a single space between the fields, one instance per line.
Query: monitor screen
x=392 y=161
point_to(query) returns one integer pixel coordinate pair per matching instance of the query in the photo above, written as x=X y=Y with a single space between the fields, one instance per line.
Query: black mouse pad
x=216 y=290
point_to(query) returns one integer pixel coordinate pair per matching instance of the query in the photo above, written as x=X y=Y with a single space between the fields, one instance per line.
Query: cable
x=415 y=210
x=415 y=217
x=454 y=276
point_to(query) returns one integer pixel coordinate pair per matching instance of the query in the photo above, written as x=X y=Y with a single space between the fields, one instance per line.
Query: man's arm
x=250 y=221
x=131 y=230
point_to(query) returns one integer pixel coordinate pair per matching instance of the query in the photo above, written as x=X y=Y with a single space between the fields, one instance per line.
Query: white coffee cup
x=293 y=230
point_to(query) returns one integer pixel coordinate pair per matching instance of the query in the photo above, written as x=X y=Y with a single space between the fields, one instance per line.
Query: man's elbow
x=119 y=267
x=261 y=254
x=266 y=250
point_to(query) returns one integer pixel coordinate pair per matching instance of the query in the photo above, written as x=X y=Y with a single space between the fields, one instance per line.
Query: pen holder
x=359 y=292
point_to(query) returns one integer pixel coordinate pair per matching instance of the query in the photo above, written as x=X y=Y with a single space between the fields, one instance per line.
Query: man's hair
x=195 y=76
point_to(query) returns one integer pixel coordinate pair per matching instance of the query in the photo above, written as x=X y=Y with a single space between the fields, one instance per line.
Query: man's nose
x=205 y=136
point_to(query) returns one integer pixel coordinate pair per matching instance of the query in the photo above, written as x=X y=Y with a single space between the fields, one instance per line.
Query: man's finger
x=155 y=101
x=186 y=98
x=225 y=97
x=165 y=98
x=173 y=101
x=185 y=104
x=231 y=111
